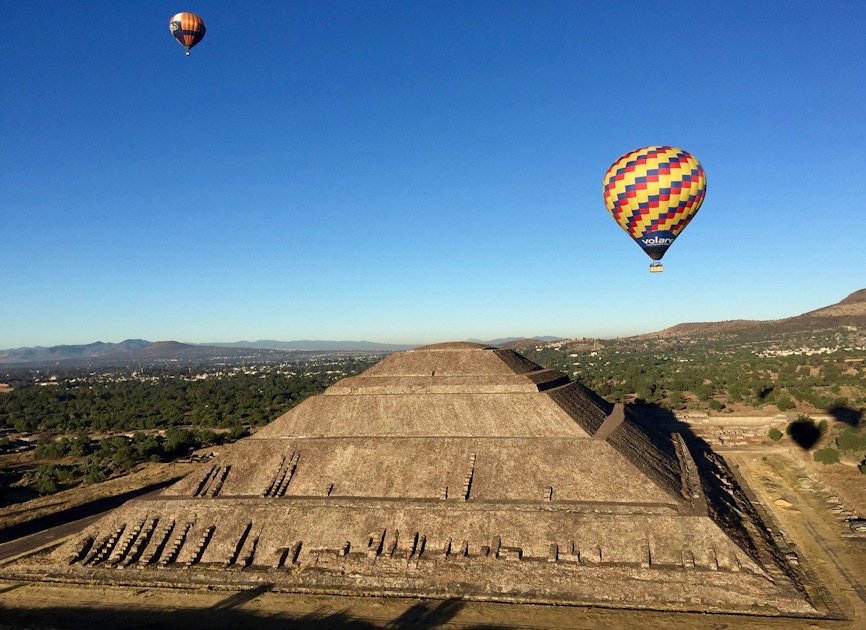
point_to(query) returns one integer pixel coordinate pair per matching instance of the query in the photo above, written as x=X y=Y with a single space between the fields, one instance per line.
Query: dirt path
x=86 y=607
x=798 y=502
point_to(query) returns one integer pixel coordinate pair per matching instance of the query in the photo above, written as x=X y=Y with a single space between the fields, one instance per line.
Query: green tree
x=178 y=441
x=93 y=472
x=851 y=440
x=827 y=455
x=784 y=403
x=80 y=445
x=45 y=481
x=146 y=446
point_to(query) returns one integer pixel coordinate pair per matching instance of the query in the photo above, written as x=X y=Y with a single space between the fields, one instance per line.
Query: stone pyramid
x=453 y=470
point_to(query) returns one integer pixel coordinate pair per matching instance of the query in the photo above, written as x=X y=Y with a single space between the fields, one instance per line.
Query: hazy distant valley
x=837 y=326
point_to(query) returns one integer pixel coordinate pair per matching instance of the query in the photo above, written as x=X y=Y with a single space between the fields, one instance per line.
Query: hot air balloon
x=187 y=28
x=653 y=193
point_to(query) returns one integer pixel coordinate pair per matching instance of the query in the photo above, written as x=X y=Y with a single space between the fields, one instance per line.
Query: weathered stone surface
x=454 y=470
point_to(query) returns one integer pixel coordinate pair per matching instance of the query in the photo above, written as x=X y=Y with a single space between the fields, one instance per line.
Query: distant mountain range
x=316 y=346
x=849 y=312
x=139 y=350
x=39 y=354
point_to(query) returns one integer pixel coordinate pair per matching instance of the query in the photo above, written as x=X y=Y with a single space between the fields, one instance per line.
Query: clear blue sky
x=415 y=172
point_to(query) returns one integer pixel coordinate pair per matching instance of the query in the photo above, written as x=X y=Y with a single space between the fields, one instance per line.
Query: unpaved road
x=797 y=499
x=45 y=537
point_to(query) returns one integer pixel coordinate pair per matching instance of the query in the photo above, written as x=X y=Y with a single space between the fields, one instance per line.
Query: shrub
x=827 y=455
x=45 y=479
x=47 y=449
x=851 y=440
x=93 y=473
x=237 y=433
x=46 y=485
x=775 y=434
x=784 y=403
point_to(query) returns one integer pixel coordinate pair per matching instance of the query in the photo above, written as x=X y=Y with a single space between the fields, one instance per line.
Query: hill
x=808 y=363
x=850 y=312
x=39 y=354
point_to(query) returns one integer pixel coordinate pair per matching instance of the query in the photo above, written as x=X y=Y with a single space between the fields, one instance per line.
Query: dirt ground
x=54 y=606
x=806 y=504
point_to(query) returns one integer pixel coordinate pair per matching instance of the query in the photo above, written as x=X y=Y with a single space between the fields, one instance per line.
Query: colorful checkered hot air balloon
x=653 y=193
x=187 y=28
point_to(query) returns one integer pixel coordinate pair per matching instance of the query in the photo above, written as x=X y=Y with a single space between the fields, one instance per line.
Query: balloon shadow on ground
x=852 y=417
x=804 y=432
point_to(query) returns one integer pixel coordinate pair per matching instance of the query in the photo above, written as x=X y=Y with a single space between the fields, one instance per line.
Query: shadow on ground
x=227 y=614
x=804 y=432
x=849 y=416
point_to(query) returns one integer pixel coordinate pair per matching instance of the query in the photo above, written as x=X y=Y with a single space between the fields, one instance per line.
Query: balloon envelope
x=187 y=28
x=653 y=193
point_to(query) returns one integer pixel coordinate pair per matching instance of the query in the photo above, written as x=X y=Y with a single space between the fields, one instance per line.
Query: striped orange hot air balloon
x=187 y=28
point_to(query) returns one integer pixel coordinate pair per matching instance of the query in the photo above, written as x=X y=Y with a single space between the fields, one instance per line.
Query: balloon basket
x=656 y=267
